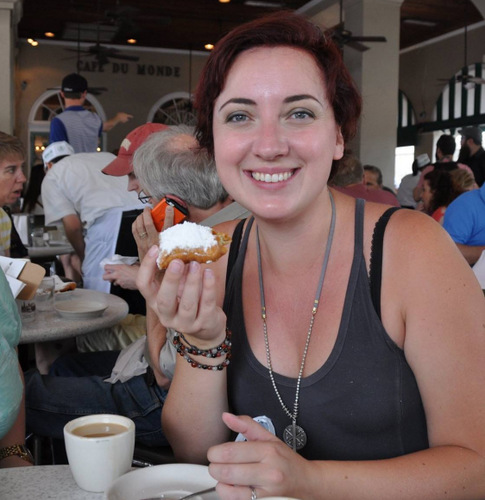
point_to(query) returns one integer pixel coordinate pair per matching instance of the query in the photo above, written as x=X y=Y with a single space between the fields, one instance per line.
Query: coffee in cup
x=99 y=449
x=99 y=429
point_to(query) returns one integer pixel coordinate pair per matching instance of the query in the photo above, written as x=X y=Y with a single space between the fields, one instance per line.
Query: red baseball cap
x=122 y=165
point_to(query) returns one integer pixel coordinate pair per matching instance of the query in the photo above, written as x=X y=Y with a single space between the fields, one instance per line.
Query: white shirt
x=76 y=185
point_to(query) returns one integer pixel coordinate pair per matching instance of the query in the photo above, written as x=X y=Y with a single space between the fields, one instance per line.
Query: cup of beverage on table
x=99 y=449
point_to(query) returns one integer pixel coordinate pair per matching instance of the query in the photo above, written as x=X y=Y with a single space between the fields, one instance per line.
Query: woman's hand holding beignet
x=185 y=300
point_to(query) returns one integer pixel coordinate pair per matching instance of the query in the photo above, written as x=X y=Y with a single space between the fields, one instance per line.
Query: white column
x=9 y=17
x=376 y=72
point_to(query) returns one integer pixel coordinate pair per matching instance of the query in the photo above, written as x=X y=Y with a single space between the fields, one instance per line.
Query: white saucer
x=172 y=480
x=79 y=308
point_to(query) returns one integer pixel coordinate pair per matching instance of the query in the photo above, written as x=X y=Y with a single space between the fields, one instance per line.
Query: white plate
x=172 y=480
x=79 y=308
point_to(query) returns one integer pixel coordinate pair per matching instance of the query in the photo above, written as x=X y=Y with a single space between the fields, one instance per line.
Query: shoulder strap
x=375 y=265
x=234 y=249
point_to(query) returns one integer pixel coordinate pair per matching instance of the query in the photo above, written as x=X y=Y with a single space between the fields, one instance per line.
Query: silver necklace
x=294 y=435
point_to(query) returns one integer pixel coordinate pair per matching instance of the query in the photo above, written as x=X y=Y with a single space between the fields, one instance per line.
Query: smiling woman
x=334 y=327
x=12 y=180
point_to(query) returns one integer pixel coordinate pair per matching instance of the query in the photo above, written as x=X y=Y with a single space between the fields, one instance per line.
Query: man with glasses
x=123 y=275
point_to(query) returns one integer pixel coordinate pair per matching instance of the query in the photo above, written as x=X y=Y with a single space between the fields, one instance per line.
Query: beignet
x=189 y=241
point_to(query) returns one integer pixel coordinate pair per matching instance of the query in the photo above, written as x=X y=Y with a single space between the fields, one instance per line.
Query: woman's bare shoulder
x=226 y=227
x=408 y=226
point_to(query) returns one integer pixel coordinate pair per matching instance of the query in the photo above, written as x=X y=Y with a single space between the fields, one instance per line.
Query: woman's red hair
x=279 y=29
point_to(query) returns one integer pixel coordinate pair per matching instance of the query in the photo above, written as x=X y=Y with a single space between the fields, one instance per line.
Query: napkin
x=118 y=259
x=62 y=286
x=130 y=362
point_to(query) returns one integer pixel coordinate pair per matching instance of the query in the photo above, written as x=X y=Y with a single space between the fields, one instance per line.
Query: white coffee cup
x=99 y=449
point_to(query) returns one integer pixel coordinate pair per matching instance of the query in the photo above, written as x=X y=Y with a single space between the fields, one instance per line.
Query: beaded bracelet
x=196 y=364
x=214 y=352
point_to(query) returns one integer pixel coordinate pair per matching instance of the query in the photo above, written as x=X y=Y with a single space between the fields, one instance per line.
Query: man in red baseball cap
x=122 y=274
x=123 y=165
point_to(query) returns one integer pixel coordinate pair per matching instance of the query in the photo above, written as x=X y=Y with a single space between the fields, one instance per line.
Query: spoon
x=186 y=497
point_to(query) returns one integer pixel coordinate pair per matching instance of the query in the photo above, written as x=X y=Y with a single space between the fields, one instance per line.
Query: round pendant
x=299 y=438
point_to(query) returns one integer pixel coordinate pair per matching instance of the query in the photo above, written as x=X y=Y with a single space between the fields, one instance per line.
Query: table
x=42 y=482
x=50 y=326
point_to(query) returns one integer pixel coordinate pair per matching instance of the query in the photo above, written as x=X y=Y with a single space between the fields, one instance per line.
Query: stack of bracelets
x=185 y=348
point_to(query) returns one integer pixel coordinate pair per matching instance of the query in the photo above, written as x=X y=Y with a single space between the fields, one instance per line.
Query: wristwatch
x=19 y=450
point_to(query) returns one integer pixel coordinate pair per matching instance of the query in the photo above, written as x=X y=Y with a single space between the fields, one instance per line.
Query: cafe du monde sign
x=125 y=68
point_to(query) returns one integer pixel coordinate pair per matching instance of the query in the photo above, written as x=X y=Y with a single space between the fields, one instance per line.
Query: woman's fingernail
x=194 y=267
x=153 y=251
x=176 y=266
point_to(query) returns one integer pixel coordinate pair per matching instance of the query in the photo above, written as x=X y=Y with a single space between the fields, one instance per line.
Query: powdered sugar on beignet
x=189 y=241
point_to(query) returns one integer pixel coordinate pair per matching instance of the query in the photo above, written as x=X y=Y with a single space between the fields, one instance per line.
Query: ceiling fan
x=344 y=37
x=468 y=81
x=103 y=54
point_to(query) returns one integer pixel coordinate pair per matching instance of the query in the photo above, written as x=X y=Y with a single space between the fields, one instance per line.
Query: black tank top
x=362 y=404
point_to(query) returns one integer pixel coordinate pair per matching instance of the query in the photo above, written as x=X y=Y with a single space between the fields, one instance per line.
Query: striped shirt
x=77 y=126
x=5 y=230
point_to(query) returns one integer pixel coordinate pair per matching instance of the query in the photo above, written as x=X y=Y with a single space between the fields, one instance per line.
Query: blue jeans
x=75 y=387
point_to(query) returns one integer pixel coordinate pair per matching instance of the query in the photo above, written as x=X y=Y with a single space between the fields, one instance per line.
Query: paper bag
x=31 y=275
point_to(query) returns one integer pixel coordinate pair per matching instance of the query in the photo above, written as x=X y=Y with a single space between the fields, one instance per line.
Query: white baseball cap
x=56 y=149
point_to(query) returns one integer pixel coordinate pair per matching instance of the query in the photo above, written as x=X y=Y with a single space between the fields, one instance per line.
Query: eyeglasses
x=144 y=198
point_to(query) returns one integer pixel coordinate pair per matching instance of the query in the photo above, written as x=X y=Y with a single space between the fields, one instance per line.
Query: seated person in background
x=409 y=181
x=90 y=206
x=445 y=149
x=441 y=187
x=12 y=411
x=465 y=222
x=13 y=452
x=78 y=384
x=349 y=179
x=373 y=179
x=122 y=274
x=12 y=179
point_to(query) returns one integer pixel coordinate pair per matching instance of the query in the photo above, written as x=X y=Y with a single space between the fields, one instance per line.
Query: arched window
x=173 y=109
x=461 y=103
x=47 y=106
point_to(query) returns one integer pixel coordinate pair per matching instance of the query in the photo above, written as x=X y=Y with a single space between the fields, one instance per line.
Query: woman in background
x=13 y=452
x=441 y=187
